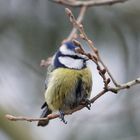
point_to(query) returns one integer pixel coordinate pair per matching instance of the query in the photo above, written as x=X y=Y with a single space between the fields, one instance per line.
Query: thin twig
x=108 y=71
x=30 y=119
x=127 y=85
x=80 y=28
x=88 y=3
x=46 y=63
x=79 y=20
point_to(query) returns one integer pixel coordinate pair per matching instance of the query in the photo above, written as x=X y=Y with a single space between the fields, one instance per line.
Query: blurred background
x=31 y=30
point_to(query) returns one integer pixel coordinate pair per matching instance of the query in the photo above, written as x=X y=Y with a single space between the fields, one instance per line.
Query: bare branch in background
x=46 y=63
x=88 y=3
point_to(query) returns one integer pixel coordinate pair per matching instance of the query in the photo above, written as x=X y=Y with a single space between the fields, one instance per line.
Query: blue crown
x=70 y=45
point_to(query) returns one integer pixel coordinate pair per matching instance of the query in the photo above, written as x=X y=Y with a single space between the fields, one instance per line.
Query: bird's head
x=68 y=57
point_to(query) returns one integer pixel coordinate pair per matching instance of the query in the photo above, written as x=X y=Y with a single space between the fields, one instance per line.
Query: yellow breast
x=62 y=87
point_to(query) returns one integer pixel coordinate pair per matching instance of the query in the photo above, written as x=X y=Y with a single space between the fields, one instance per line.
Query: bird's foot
x=61 y=116
x=87 y=103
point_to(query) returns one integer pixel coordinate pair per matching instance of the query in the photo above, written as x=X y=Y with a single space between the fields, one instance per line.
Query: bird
x=68 y=83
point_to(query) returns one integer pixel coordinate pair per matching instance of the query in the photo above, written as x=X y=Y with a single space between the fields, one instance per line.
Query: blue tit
x=68 y=83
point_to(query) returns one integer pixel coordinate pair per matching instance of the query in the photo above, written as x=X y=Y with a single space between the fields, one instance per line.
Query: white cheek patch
x=71 y=62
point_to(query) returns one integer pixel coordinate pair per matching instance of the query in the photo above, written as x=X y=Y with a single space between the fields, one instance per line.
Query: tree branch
x=127 y=85
x=53 y=116
x=88 y=3
x=109 y=73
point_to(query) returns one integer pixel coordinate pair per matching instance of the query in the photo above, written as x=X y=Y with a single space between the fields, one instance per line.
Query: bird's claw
x=87 y=103
x=61 y=116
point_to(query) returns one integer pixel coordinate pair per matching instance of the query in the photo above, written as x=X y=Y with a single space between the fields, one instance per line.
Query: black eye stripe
x=72 y=56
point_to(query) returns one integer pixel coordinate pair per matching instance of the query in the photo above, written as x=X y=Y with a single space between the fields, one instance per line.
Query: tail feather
x=44 y=114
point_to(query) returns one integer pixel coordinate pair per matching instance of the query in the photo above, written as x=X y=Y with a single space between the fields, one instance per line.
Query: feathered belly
x=67 y=88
